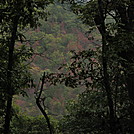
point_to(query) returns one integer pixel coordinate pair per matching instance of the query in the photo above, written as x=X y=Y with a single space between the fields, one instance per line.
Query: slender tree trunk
x=100 y=22
x=41 y=108
x=108 y=88
x=45 y=115
x=9 y=78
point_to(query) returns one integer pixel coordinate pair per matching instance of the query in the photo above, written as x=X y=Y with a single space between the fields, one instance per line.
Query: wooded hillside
x=67 y=67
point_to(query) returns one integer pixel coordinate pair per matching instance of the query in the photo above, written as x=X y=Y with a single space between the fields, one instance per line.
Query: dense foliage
x=90 y=114
x=116 y=58
x=50 y=45
x=16 y=15
x=101 y=68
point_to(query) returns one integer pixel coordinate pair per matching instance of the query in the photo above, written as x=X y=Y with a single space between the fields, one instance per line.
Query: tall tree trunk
x=107 y=87
x=100 y=22
x=9 y=89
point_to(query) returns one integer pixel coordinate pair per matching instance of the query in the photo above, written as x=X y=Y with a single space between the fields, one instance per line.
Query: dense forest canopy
x=87 y=90
x=56 y=38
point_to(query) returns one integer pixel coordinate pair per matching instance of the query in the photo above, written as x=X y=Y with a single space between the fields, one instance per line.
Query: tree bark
x=45 y=115
x=41 y=108
x=100 y=22
x=9 y=89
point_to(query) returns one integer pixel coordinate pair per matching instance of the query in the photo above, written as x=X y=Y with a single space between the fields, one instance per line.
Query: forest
x=66 y=67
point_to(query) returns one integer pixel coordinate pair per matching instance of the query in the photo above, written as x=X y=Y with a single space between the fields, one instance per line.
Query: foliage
x=20 y=77
x=22 y=123
x=88 y=115
x=91 y=113
x=107 y=73
x=16 y=15
x=51 y=49
x=116 y=55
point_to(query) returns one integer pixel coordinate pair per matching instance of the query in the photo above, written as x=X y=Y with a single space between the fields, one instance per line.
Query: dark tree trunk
x=45 y=115
x=38 y=102
x=100 y=22
x=9 y=89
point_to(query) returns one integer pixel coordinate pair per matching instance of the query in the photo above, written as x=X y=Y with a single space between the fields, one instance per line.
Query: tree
x=96 y=13
x=116 y=52
x=85 y=70
x=41 y=105
x=15 y=16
